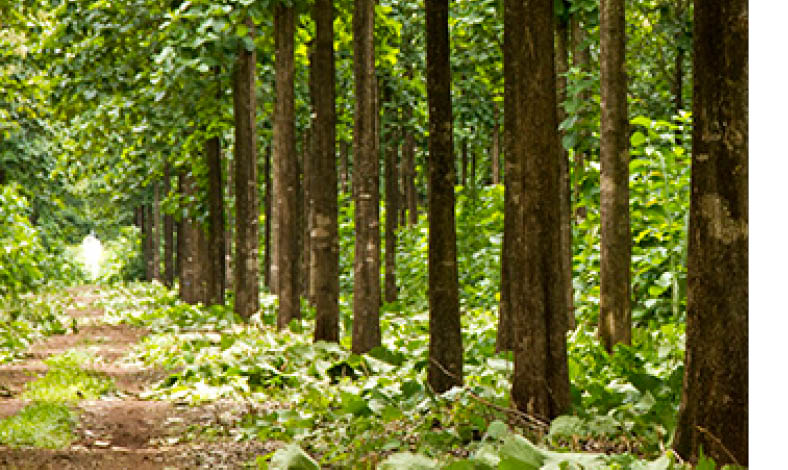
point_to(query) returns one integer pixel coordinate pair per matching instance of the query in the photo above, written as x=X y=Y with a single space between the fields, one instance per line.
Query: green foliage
x=122 y=260
x=23 y=319
x=67 y=381
x=47 y=425
x=23 y=256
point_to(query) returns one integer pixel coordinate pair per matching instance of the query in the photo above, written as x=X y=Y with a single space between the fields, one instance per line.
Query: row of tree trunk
x=536 y=297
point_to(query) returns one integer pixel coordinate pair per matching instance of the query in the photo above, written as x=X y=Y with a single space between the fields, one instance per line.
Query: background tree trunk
x=562 y=66
x=147 y=240
x=270 y=257
x=615 y=316
x=366 y=284
x=540 y=385
x=325 y=234
x=445 y=368
x=580 y=59
x=343 y=155
x=229 y=224
x=714 y=404
x=215 y=235
x=188 y=242
x=495 y=152
x=305 y=212
x=409 y=164
x=169 y=234
x=286 y=167
x=392 y=196
x=156 y=232
x=246 y=207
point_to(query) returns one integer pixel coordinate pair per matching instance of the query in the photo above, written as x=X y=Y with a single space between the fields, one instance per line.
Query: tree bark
x=188 y=242
x=615 y=317
x=540 y=385
x=305 y=212
x=392 y=198
x=286 y=167
x=156 y=233
x=214 y=294
x=562 y=66
x=229 y=224
x=408 y=157
x=147 y=240
x=496 y=146
x=343 y=155
x=366 y=284
x=325 y=233
x=269 y=257
x=464 y=163
x=246 y=206
x=169 y=234
x=580 y=59
x=445 y=352
x=714 y=406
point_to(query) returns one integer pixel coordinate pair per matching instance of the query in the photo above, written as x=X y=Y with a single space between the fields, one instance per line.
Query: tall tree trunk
x=366 y=263
x=580 y=59
x=270 y=257
x=325 y=233
x=615 y=317
x=473 y=172
x=343 y=155
x=511 y=261
x=445 y=368
x=464 y=163
x=408 y=159
x=215 y=235
x=204 y=266
x=147 y=239
x=307 y=184
x=286 y=167
x=678 y=73
x=392 y=197
x=156 y=233
x=561 y=67
x=169 y=233
x=714 y=405
x=540 y=385
x=230 y=223
x=188 y=242
x=496 y=146
x=246 y=207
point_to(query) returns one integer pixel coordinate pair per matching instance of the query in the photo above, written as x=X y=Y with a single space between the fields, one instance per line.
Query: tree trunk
x=188 y=242
x=540 y=385
x=615 y=317
x=580 y=59
x=392 y=197
x=169 y=234
x=229 y=224
x=511 y=263
x=343 y=155
x=714 y=406
x=496 y=146
x=325 y=233
x=445 y=368
x=305 y=212
x=147 y=240
x=562 y=66
x=678 y=73
x=366 y=263
x=215 y=235
x=464 y=163
x=270 y=258
x=286 y=167
x=246 y=207
x=408 y=157
x=156 y=233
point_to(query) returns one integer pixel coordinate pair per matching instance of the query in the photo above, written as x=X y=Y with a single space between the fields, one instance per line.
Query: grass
x=45 y=424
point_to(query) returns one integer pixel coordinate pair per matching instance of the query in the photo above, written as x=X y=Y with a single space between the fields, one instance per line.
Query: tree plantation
x=303 y=234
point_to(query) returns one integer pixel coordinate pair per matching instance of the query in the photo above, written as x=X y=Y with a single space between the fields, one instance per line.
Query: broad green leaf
x=292 y=457
x=408 y=461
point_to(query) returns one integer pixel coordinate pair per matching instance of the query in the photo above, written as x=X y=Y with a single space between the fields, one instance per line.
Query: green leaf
x=408 y=461
x=292 y=457
x=521 y=453
x=641 y=121
x=497 y=430
x=637 y=139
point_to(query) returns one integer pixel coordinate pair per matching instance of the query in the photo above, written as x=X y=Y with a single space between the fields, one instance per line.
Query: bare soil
x=123 y=432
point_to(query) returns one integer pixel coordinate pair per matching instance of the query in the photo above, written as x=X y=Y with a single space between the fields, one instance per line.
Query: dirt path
x=122 y=431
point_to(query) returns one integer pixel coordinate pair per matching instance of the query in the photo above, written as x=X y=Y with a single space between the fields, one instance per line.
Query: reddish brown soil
x=125 y=432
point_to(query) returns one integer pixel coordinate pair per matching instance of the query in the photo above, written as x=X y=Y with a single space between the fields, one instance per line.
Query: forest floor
x=120 y=430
